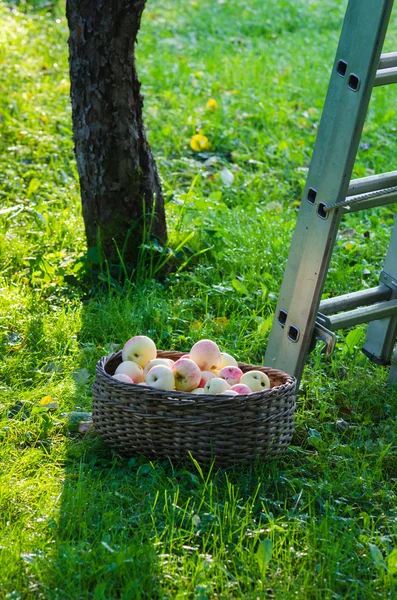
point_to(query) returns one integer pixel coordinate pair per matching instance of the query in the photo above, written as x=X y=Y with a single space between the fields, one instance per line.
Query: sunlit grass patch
x=78 y=521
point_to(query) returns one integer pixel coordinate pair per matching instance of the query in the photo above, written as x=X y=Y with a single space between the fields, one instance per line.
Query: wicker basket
x=137 y=420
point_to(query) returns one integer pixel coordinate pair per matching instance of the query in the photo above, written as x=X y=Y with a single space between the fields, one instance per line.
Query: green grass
x=78 y=521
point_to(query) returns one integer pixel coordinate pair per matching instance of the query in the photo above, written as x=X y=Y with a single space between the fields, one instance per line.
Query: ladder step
x=372 y=183
x=368 y=192
x=351 y=318
x=370 y=200
x=386 y=76
x=388 y=60
x=387 y=72
x=355 y=299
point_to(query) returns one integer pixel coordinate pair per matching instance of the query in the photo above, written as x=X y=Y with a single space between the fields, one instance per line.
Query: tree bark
x=120 y=187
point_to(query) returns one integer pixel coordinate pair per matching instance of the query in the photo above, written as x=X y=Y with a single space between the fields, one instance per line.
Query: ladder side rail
x=341 y=124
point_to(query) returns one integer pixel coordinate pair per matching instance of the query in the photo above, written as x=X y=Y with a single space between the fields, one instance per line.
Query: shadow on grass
x=103 y=546
x=130 y=528
x=102 y=543
x=134 y=528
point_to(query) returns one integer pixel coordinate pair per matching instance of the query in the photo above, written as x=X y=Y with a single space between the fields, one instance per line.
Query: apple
x=140 y=349
x=122 y=377
x=215 y=372
x=199 y=390
x=161 y=378
x=131 y=369
x=205 y=376
x=206 y=354
x=241 y=388
x=185 y=356
x=231 y=374
x=228 y=393
x=157 y=361
x=256 y=380
x=187 y=375
x=216 y=385
x=228 y=360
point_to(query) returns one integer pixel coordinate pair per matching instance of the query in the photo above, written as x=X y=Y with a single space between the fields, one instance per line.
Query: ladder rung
x=388 y=60
x=386 y=76
x=331 y=306
x=368 y=192
x=370 y=200
x=351 y=318
x=372 y=183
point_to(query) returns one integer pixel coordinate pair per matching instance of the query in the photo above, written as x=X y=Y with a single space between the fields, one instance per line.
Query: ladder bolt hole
x=341 y=68
x=293 y=333
x=282 y=317
x=311 y=195
x=322 y=213
x=354 y=82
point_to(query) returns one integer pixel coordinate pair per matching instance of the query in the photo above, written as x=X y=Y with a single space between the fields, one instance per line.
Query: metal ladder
x=300 y=318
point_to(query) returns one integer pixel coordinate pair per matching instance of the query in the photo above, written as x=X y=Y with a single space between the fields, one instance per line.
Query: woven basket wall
x=137 y=420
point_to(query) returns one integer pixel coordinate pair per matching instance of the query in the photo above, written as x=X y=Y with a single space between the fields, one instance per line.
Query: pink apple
x=231 y=374
x=256 y=380
x=186 y=356
x=228 y=393
x=206 y=354
x=140 y=349
x=187 y=375
x=240 y=388
x=131 y=369
x=228 y=360
x=167 y=362
x=161 y=378
x=205 y=376
x=216 y=386
x=122 y=377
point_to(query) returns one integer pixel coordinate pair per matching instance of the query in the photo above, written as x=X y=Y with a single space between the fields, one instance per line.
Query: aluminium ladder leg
x=353 y=77
x=393 y=369
x=382 y=334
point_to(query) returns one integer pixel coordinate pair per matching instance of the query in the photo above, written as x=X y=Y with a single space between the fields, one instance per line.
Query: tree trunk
x=120 y=187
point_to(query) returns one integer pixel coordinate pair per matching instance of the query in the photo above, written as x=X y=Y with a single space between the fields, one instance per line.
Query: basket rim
x=187 y=397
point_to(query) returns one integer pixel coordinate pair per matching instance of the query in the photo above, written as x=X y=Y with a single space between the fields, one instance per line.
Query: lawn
x=78 y=521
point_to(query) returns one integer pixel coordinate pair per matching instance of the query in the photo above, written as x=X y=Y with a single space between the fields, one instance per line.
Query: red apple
x=187 y=375
x=231 y=374
x=206 y=354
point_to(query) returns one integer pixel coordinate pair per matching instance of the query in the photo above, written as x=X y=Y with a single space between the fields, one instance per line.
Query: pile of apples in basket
x=205 y=370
